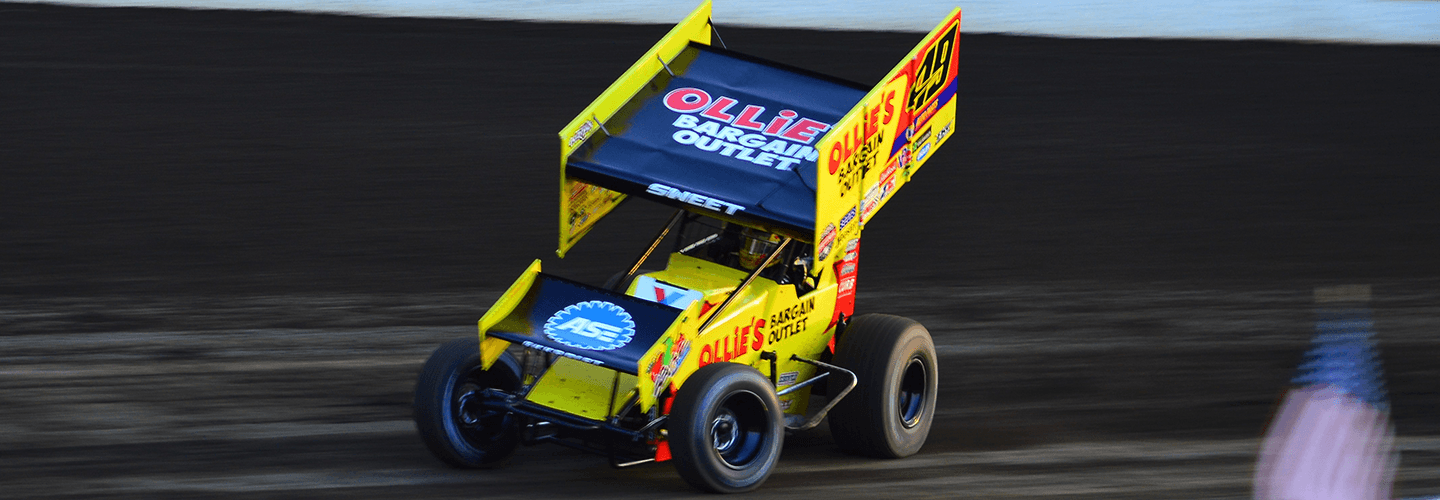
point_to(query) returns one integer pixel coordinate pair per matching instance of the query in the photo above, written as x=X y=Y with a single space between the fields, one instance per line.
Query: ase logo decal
x=595 y=325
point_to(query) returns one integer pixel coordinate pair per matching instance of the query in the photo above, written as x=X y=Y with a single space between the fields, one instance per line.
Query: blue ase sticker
x=594 y=325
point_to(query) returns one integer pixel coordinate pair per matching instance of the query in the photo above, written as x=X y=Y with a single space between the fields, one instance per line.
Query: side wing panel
x=582 y=204
x=490 y=347
x=882 y=141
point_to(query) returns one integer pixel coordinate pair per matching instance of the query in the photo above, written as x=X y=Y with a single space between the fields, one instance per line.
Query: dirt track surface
x=230 y=239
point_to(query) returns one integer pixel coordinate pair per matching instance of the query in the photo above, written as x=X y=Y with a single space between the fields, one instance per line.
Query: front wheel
x=449 y=408
x=889 y=413
x=726 y=428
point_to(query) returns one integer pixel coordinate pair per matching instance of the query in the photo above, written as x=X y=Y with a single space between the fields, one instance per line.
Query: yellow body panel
x=581 y=204
x=582 y=389
x=659 y=364
x=767 y=316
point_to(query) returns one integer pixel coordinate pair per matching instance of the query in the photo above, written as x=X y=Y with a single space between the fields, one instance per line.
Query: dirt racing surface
x=231 y=239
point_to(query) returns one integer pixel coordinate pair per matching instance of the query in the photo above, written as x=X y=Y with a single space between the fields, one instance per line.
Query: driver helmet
x=755 y=246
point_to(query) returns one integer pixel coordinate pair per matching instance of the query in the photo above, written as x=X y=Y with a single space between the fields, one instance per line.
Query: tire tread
x=867 y=347
x=432 y=388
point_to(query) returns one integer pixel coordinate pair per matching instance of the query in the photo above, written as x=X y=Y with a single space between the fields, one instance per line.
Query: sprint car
x=748 y=331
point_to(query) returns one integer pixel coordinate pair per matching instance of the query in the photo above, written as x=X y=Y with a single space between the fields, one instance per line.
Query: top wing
x=757 y=142
x=722 y=133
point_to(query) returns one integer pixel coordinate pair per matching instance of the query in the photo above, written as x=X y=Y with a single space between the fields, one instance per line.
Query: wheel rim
x=739 y=429
x=911 y=397
x=724 y=431
x=473 y=421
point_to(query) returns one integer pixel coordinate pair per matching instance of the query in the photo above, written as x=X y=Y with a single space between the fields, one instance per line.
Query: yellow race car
x=748 y=332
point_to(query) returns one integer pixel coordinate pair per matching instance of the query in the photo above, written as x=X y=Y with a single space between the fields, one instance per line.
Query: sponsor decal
x=586 y=201
x=845 y=269
x=924 y=151
x=594 y=325
x=738 y=343
x=852 y=172
x=889 y=173
x=787 y=378
x=933 y=70
x=557 y=352
x=827 y=241
x=785 y=404
x=578 y=218
x=923 y=137
x=863 y=132
x=845 y=221
x=845 y=273
x=651 y=289
x=790 y=321
x=859 y=147
x=583 y=133
x=923 y=117
x=698 y=200
x=871 y=200
x=879 y=191
x=577 y=190
x=944 y=131
x=724 y=126
x=668 y=362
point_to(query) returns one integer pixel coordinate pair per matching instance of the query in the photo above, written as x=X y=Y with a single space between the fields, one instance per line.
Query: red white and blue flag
x=1332 y=439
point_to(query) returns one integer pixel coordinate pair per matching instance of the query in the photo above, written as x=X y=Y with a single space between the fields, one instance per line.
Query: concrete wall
x=1374 y=21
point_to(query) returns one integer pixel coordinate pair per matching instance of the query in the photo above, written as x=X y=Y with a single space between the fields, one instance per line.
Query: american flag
x=1331 y=438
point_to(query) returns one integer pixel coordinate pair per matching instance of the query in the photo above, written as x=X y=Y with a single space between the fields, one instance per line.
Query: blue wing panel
x=585 y=323
x=728 y=133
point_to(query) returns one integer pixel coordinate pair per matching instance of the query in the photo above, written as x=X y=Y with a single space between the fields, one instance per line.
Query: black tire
x=446 y=409
x=889 y=413
x=726 y=428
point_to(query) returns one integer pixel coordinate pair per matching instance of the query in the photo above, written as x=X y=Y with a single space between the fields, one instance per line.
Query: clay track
x=230 y=239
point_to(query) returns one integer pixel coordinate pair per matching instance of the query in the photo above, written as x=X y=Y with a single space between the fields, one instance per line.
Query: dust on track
x=1048 y=390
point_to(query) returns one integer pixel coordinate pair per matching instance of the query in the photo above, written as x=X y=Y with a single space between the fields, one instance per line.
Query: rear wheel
x=890 y=411
x=449 y=406
x=726 y=428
